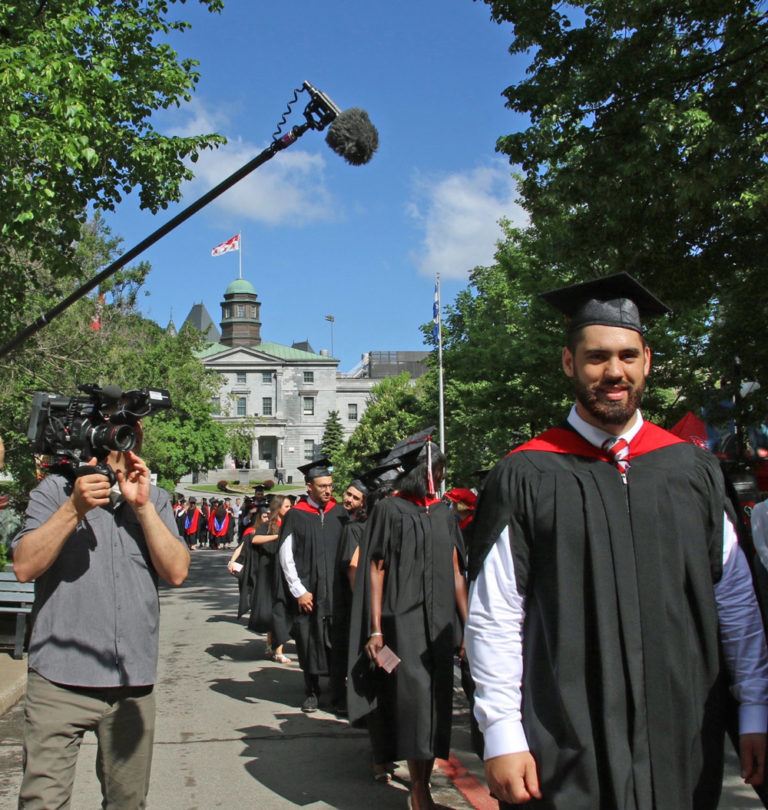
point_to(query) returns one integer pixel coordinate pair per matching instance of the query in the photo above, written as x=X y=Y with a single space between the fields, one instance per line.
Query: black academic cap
x=617 y=300
x=359 y=484
x=316 y=469
x=411 y=451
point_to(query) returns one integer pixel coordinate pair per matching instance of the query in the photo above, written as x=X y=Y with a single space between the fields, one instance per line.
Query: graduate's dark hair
x=378 y=494
x=361 y=515
x=574 y=337
x=414 y=482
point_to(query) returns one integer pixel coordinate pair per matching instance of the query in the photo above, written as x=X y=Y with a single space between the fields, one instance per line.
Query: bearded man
x=606 y=574
x=308 y=545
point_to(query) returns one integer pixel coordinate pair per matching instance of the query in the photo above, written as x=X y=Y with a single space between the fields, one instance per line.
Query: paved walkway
x=229 y=728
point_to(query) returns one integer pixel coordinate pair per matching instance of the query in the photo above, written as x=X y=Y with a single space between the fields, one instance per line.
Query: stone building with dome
x=282 y=394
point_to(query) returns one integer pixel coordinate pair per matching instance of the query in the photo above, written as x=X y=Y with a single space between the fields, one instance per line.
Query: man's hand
x=134 y=480
x=752 y=750
x=513 y=778
x=89 y=491
x=306 y=602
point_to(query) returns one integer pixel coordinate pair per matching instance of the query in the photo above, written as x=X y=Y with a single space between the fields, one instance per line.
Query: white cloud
x=288 y=189
x=460 y=215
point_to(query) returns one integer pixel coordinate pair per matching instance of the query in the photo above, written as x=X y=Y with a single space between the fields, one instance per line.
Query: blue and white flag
x=436 y=314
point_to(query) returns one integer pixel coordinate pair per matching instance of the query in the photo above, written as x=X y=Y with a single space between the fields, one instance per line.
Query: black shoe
x=339 y=709
x=310 y=704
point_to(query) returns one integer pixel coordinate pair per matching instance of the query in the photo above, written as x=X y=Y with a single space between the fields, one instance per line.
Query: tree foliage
x=79 y=81
x=646 y=153
x=240 y=435
x=333 y=435
x=127 y=350
x=397 y=407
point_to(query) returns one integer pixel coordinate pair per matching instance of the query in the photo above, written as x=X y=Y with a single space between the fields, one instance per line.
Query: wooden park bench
x=16 y=597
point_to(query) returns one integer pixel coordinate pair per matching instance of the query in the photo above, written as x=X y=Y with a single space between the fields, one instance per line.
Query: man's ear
x=567 y=361
x=647 y=361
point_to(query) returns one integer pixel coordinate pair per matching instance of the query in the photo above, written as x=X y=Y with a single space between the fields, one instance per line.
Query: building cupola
x=240 y=324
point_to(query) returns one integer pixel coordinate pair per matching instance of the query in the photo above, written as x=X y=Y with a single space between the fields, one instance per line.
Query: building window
x=309 y=377
x=266 y=406
x=240 y=377
x=309 y=449
x=266 y=377
x=309 y=406
x=352 y=412
x=241 y=406
x=240 y=311
x=227 y=311
x=215 y=406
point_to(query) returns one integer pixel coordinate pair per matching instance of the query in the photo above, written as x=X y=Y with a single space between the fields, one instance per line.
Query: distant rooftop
x=303 y=346
x=276 y=350
x=201 y=320
x=240 y=285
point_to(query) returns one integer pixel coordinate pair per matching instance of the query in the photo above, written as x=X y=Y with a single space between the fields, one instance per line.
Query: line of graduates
x=376 y=579
x=208 y=525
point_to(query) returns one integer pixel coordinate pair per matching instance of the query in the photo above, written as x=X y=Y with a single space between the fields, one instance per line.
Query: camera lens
x=113 y=437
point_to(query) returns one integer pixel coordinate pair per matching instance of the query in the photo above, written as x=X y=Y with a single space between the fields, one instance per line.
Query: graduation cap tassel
x=430 y=479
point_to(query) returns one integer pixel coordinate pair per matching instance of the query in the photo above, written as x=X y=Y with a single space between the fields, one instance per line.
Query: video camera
x=71 y=430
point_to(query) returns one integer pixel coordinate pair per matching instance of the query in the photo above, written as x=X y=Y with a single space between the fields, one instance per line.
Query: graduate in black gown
x=354 y=502
x=605 y=572
x=263 y=541
x=413 y=601
x=309 y=542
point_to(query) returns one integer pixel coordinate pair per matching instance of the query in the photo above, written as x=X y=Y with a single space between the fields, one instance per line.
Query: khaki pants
x=55 y=720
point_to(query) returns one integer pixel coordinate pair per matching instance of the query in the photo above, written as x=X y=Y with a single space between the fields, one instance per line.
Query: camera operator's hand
x=133 y=480
x=90 y=491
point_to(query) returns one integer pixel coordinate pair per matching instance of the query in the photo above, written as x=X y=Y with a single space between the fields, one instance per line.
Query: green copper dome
x=240 y=285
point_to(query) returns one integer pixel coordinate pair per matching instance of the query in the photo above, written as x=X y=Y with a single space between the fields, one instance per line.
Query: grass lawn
x=234 y=489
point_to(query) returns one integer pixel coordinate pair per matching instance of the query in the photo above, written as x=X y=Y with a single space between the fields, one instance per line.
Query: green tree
x=240 y=437
x=126 y=350
x=501 y=355
x=186 y=438
x=397 y=407
x=333 y=435
x=646 y=153
x=79 y=81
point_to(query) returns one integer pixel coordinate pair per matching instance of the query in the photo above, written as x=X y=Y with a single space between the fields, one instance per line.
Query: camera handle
x=102 y=468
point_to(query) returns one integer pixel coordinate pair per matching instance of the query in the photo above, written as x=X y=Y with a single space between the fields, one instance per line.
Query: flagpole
x=240 y=245
x=440 y=373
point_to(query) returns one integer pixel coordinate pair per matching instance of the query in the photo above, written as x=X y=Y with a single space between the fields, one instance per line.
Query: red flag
x=225 y=247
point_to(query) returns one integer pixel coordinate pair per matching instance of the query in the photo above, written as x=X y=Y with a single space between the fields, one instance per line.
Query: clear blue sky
x=321 y=237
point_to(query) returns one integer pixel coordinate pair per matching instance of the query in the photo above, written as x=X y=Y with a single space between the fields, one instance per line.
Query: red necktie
x=617 y=451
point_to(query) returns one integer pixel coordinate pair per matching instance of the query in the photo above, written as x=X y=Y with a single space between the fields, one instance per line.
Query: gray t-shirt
x=96 y=608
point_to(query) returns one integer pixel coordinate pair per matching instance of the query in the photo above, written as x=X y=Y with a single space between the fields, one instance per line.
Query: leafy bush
x=222 y=485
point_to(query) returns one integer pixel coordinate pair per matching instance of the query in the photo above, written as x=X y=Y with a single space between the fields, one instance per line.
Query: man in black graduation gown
x=309 y=541
x=353 y=501
x=604 y=567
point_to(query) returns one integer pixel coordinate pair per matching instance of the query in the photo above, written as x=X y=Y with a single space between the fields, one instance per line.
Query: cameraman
x=95 y=553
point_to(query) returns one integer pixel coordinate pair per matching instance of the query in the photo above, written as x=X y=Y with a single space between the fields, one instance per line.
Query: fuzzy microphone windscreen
x=353 y=136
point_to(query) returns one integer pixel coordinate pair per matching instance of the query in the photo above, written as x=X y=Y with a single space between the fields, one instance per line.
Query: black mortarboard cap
x=382 y=474
x=411 y=451
x=359 y=484
x=316 y=469
x=617 y=300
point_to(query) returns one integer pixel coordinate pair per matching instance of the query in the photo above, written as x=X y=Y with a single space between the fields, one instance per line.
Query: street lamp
x=331 y=320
